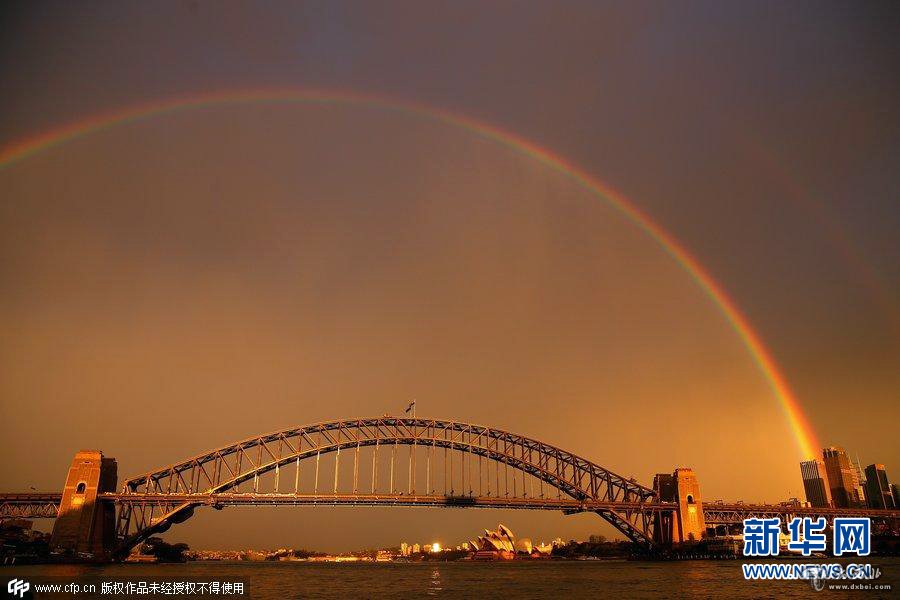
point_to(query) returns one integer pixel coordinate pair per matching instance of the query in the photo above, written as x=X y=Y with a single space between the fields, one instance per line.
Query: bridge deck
x=237 y=499
x=38 y=504
x=30 y=505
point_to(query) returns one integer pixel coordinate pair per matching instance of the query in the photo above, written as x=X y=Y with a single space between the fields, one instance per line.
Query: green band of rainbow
x=804 y=435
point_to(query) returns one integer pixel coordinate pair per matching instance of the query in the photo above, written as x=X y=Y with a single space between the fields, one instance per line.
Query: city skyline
x=835 y=481
x=181 y=279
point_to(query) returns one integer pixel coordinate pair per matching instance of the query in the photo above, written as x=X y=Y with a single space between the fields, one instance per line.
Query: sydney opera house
x=502 y=545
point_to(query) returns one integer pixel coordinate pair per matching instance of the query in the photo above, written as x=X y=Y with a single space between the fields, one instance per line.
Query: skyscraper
x=815 y=483
x=860 y=480
x=841 y=478
x=878 y=490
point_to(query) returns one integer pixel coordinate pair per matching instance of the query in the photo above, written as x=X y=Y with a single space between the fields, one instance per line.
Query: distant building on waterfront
x=501 y=540
x=841 y=478
x=815 y=483
x=416 y=549
x=502 y=544
x=404 y=549
x=878 y=489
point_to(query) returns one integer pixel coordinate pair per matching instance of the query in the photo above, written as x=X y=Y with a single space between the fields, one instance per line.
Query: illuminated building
x=815 y=483
x=524 y=546
x=543 y=548
x=502 y=545
x=501 y=540
x=841 y=478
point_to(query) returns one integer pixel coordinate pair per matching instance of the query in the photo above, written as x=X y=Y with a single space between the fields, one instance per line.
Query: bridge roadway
x=45 y=504
x=29 y=505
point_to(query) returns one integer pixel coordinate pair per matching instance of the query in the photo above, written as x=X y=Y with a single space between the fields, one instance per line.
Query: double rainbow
x=804 y=435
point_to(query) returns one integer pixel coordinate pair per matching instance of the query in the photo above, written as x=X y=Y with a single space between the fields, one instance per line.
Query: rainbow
x=804 y=435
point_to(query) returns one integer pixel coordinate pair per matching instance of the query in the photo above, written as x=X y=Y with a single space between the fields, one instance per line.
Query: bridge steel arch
x=150 y=503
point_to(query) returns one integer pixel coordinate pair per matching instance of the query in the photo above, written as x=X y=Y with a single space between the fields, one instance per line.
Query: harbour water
x=514 y=579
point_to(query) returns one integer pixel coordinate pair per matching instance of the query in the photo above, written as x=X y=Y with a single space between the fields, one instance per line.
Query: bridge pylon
x=687 y=523
x=691 y=525
x=86 y=527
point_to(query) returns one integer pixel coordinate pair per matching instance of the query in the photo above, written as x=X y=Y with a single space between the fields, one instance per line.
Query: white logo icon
x=18 y=587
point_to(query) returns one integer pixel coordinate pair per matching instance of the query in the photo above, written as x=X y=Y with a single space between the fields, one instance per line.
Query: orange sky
x=177 y=284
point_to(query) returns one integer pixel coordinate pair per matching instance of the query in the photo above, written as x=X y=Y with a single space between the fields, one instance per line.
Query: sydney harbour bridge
x=387 y=461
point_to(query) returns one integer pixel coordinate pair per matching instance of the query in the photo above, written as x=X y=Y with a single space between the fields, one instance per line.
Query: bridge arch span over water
x=389 y=461
x=441 y=463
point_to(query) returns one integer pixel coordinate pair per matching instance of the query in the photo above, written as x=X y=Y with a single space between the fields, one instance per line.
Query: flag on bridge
x=411 y=408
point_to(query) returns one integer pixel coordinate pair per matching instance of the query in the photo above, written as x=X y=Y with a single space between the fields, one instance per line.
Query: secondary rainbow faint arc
x=804 y=435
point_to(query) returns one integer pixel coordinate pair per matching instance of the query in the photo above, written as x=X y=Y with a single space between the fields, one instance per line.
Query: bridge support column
x=85 y=527
x=664 y=523
x=687 y=523
x=691 y=524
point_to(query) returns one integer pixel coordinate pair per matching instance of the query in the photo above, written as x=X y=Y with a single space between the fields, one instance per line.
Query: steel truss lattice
x=151 y=502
